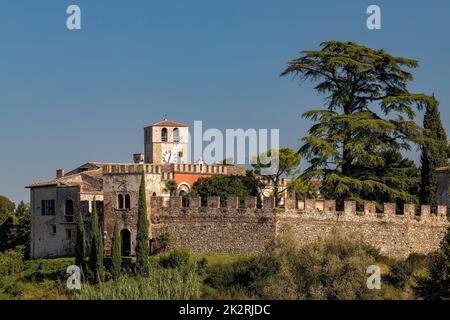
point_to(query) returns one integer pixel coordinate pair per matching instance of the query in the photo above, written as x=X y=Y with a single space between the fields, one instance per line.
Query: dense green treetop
x=369 y=113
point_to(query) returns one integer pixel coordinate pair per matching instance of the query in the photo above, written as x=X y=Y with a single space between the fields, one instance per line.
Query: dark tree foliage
x=116 y=252
x=6 y=208
x=434 y=154
x=225 y=186
x=96 y=255
x=398 y=173
x=369 y=113
x=171 y=187
x=288 y=166
x=22 y=209
x=142 y=241
x=15 y=226
x=80 y=244
x=437 y=285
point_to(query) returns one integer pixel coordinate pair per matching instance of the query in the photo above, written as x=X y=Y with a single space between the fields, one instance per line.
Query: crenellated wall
x=250 y=229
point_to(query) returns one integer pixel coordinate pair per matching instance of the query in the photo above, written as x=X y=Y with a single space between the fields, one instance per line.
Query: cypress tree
x=96 y=256
x=80 y=244
x=142 y=246
x=434 y=153
x=116 y=252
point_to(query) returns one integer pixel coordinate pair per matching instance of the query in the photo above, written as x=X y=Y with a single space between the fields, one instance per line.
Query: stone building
x=55 y=203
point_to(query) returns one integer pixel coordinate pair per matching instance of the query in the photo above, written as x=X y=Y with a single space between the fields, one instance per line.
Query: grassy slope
x=40 y=279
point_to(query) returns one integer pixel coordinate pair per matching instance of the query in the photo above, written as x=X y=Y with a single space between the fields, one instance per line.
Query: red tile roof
x=168 y=123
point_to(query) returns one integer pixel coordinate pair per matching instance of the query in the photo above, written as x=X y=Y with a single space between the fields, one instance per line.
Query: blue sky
x=67 y=97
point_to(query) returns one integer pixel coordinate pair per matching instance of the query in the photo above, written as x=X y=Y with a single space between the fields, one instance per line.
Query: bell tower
x=166 y=142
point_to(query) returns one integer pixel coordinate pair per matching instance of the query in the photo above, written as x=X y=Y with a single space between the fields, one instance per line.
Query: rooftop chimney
x=59 y=173
x=138 y=158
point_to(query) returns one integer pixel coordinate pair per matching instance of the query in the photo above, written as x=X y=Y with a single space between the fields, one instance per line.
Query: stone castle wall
x=250 y=229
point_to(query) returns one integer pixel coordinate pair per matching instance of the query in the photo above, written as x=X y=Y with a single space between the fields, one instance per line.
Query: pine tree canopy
x=369 y=114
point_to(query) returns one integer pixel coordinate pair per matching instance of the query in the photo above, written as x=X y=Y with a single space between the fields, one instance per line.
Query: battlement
x=308 y=207
x=171 y=169
x=163 y=170
x=200 y=168
x=242 y=226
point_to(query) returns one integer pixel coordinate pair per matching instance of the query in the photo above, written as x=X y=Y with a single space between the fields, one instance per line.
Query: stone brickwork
x=390 y=208
x=232 y=202
x=268 y=203
x=249 y=230
x=195 y=202
x=213 y=202
x=370 y=208
x=350 y=207
x=250 y=202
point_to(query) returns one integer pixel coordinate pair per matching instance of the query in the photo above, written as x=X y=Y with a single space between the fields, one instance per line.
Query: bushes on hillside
x=177 y=258
x=332 y=268
x=436 y=286
x=402 y=271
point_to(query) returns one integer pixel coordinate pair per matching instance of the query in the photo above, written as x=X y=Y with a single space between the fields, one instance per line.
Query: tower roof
x=168 y=123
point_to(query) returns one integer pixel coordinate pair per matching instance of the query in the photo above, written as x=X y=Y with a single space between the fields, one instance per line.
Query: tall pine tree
x=142 y=245
x=96 y=256
x=80 y=244
x=434 y=153
x=116 y=252
x=369 y=112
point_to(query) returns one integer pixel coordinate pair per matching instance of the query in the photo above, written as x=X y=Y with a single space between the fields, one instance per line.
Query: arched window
x=68 y=209
x=127 y=202
x=176 y=135
x=154 y=194
x=120 y=201
x=164 y=135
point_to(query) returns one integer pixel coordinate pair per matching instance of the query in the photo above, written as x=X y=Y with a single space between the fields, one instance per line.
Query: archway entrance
x=125 y=235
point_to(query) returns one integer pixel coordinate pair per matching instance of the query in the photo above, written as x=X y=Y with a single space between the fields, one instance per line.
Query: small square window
x=48 y=207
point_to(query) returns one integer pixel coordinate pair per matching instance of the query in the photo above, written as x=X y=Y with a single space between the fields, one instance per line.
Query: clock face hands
x=169 y=156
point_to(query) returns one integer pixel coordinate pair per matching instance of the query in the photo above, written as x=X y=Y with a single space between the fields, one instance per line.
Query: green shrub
x=399 y=274
x=402 y=271
x=11 y=262
x=177 y=258
x=202 y=265
x=245 y=275
x=436 y=285
x=164 y=240
x=220 y=276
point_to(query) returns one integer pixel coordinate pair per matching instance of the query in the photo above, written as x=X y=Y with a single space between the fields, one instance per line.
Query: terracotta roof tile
x=168 y=123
